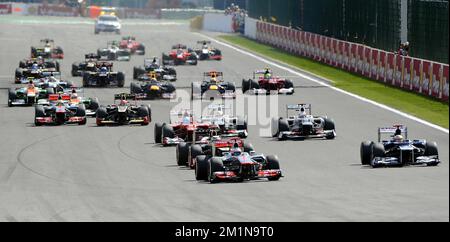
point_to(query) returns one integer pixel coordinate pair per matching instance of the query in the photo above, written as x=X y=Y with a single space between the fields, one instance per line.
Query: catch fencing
x=412 y=74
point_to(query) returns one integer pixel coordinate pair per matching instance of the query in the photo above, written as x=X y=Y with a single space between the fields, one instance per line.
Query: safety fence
x=5 y=8
x=417 y=75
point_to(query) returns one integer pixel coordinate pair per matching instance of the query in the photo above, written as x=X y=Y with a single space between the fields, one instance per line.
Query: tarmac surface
x=87 y=173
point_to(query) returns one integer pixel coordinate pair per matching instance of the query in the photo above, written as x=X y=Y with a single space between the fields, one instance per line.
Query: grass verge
x=425 y=108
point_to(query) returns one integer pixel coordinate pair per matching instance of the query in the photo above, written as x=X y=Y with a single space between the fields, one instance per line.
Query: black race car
x=153 y=65
x=48 y=50
x=215 y=87
x=124 y=112
x=89 y=64
x=103 y=76
x=150 y=88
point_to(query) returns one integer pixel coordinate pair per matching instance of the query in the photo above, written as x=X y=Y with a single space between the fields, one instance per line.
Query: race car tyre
x=366 y=153
x=22 y=64
x=231 y=87
x=120 y=79
x=283 y=126
x=274 y=126
x=170 y=88
x=101 y=114
x=172 y=72
x=254 y=84
x=57 y=66
x=377 y=151
x=39 y=112
x=11 y=96
x=165 y=59
x=33 y=52
x=94 y=105
x=245 y=85
x=143 y=112
x=81 y=111
x=201 y=169
x=248 y=147
x=329 y=124
x=158 y=133
x=431 y=149
x=86 y=77
x=194 y=151
x=215 y=165
x=137 y=71
x=273 y=164
x=70 y=84
x=135 y=88
x=182 y=154
x=167 y=131
x=241 y=123
x=75 y=69
x=18 y=73
x=112 y=56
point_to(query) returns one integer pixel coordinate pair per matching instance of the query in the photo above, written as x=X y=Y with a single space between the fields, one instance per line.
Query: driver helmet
x=104 y=69
x=236 y=151
x=74 y=94
x=398 y=138
x=34 y=66
x=302 y=113
x=31 y=84
x=186 y=118
x=267 y=74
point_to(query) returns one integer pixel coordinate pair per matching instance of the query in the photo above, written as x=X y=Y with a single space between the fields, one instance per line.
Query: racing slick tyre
x=18 y=74
x=165 y=59
x=75 y=69
x=22 y=64
x=248 y=147
x=330 y=126
x=167 y=131
x=194 y=152
x=137 y=71
x=431 y=149
x=366 y=153
x=172 y=72
x=39 y=112
x=273 y=164
x=86 y=77
x=241 y=123
x=112 y=56
x=94 y=105
x=120 y=79
x=283 y=126
x=57 y=66
x=214 y=165
x=201 y=169
x=141 y=50
x=135 y=88
x=170 y=88
x=245 y=85
x=377 y=151
x=182 y=154
x=11 y=96
x=158 y=133
x=288 y=84
x=144 y=112
x=254 y=85
x=101 y=114
x=231 y=87
x=81 y=112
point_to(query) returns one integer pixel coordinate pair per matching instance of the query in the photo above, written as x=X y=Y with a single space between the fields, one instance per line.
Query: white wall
x=218 y=22
x=250 y=27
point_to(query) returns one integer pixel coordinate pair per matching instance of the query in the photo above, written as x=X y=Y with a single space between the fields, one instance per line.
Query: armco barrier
x=5 y=8
x=412 y=74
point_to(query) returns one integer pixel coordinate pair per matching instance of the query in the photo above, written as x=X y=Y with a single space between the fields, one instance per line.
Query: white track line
x=327 y=85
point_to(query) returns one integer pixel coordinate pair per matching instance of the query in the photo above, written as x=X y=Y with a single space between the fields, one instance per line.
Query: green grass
x=426 y=108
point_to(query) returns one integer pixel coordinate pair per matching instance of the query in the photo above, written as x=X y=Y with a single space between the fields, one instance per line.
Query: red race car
x=180 y=55
x=267 y=84
x=134 y=46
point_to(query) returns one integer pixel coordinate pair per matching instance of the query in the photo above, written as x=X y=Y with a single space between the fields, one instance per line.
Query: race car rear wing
x=47 y=41
x=213 y=74
x=204 y=42
x=179 y=46
x=261 y=72
x=91 y=56
x=124 y=96
x=56 y=97
x=128 y=38
x=298 y=107
x=397 y=129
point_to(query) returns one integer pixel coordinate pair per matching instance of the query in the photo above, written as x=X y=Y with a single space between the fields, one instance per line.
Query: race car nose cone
x=214 y=87
x=154 y=88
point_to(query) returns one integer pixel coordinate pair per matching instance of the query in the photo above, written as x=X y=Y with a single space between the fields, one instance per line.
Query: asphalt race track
x=86 y=173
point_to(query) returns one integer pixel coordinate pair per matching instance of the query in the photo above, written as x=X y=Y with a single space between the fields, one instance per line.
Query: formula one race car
x=124 y=112
x=130 y=43
x=267 y=84
x=88 y=65
x=35 y=71
x=28 y=96
x=40 y=62
x=235 y=164
x=76 y=97
x=180 y=55
x=398 y=151
x=60 y=111
x=48 y=50
x=302 y=125
x=150 y=88
x=103 y=76
x=208 y=53
x=212 y=88
x=153 y=65
x=113 y=52
x=184 y=129
x=228 y=124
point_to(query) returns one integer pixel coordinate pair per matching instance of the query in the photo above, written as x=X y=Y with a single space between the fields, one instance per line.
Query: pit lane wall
x=412 y=74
